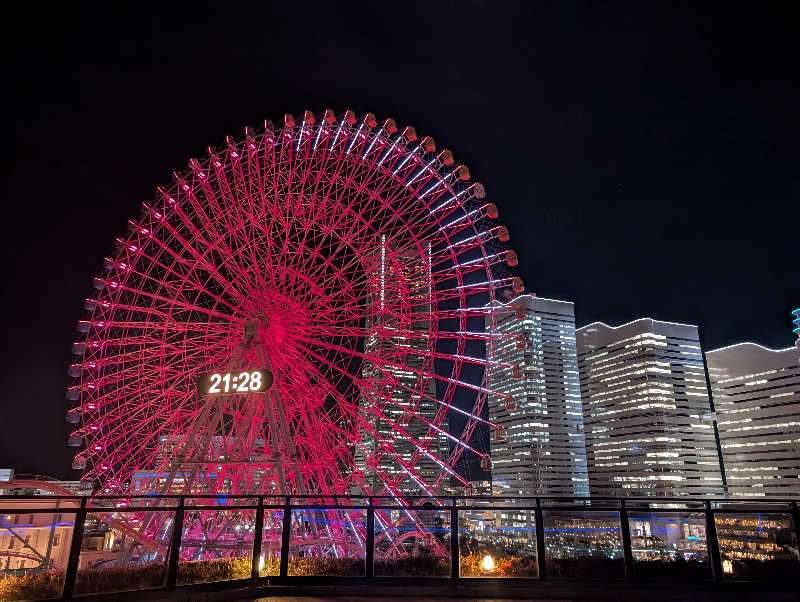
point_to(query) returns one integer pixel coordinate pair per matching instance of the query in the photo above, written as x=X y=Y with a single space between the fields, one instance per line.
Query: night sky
x=644 y=158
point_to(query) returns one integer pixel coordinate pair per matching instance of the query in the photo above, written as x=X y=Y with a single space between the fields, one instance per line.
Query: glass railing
x=53 y=547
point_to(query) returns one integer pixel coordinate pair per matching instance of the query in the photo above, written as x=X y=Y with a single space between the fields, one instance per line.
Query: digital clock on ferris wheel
x=237 y=382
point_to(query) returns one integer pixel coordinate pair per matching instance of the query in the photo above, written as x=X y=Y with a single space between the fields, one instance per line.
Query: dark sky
x=643 y=155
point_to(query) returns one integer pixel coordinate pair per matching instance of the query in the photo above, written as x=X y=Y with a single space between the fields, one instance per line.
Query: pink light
x=332 y=266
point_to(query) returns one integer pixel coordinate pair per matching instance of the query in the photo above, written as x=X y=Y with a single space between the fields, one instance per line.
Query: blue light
x=22 y=527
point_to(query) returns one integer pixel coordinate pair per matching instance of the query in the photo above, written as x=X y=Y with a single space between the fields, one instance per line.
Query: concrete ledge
x=467 y=589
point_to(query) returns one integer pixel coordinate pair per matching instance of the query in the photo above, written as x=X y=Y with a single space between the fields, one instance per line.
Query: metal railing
x=614 y=511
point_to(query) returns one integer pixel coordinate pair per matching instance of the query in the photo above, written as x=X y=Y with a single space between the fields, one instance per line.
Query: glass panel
x=269 y=563
x=757 y=546
x=328 y=501
x=123 y=551
x=414 y=501
x=34 y=549
x=412 y=543
x=664 y=506
x=129 y=503
x=669 y=544
x=752 y=506
x=327 y=541
x=583 y=545
x=499 y=502
x=217 y=545
x=497 y=543
x=220 y=500
x=579 y=502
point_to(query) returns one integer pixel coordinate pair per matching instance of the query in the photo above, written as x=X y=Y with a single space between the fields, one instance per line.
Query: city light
x=727 y=567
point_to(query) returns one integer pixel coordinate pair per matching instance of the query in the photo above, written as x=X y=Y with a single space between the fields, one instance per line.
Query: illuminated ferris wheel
x=298 y=313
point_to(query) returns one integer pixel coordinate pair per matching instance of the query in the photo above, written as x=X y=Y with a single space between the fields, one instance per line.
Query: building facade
x=647 y=414
x=757 y=397
x=401 y=401
x=539 y=449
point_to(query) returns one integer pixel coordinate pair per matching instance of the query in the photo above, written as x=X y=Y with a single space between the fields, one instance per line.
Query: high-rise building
x=796 y=324
x=757 y=397
x=646 y=410
x=401 y=388
x=539 y=449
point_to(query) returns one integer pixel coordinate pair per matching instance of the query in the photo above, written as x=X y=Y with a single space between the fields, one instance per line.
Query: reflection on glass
x=412 y=543
x=269 y=561
x=497 y=543
x=123 y=551
x=216 y=545
x=669 y=544
x=34 y=549
x=757 y=546
x=327 y=541
x=583 y=545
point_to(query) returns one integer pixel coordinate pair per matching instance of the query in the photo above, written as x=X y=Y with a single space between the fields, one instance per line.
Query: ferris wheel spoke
x=169 y=302
x=377 y=390
x=184 y=279
x=198 y=258
x=427 y=352
x=386 y=364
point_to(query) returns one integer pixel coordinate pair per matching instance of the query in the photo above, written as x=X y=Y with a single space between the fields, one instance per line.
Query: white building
x=757 y=397
x=540 y=450
x=646 y=410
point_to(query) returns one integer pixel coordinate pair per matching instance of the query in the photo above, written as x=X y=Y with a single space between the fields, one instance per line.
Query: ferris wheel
x=306 y=310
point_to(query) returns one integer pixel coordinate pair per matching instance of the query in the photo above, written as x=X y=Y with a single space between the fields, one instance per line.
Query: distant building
x=757 y=397
x=796 y=324
x=401 y=389
x=646 y=410
x=540 y=448
x=35 y=542
x=28 y=485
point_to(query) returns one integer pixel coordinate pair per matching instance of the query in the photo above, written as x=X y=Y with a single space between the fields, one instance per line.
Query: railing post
x=713 y=543
x=541 y=559
x=258 y=537
x=370 y=541
x=175 y=544
x=455 y=556
x=625 y=527
x=285 y=533
x=75 y=551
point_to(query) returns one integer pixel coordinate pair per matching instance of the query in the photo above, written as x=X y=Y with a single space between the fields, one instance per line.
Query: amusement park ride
x=302 y=296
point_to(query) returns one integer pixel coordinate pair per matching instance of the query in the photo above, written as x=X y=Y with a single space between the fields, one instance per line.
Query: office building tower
x=539 y=449
x=646 y=410
x=757 y=397
x=397 y=329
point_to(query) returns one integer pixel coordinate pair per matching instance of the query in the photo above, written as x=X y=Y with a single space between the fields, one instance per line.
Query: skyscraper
x=540 y=449
x=757 y=397
x=400 y=390
x=646 y=410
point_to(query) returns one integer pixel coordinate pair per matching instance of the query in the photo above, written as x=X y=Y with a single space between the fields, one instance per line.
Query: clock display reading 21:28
x=240 y=381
